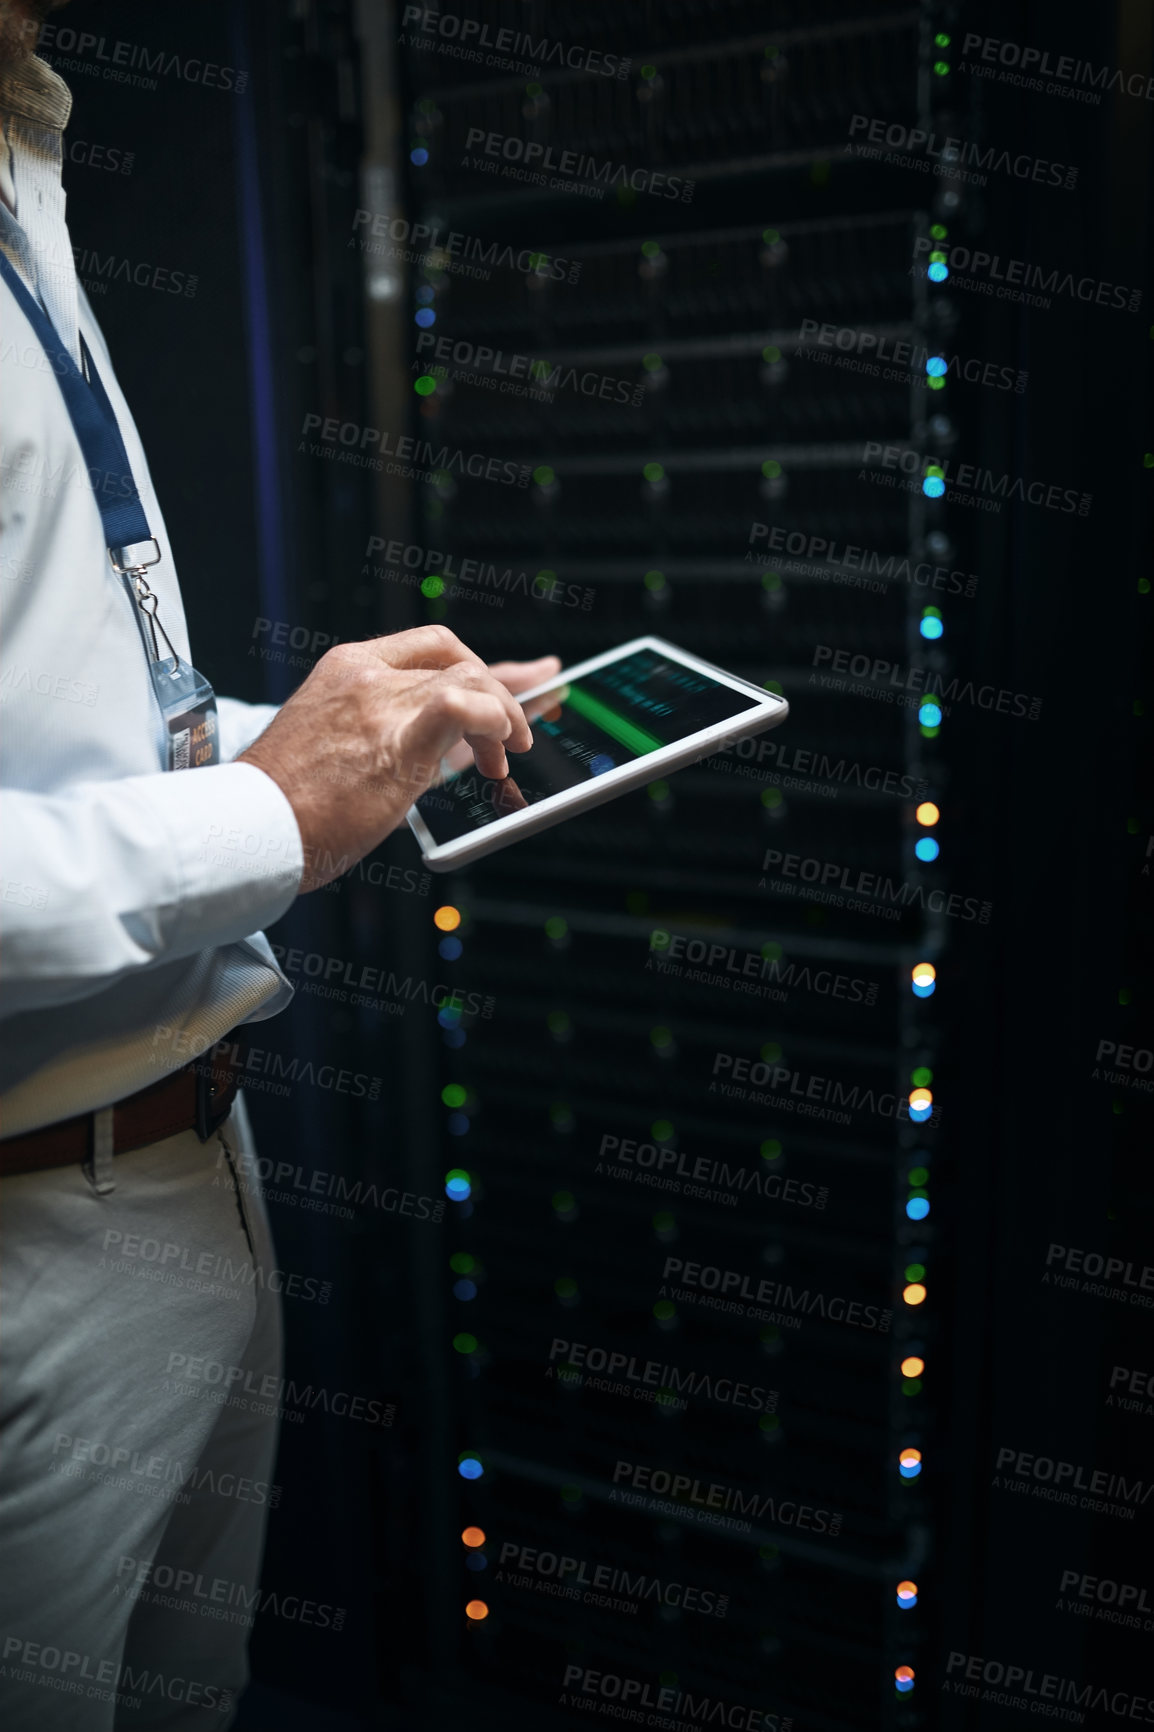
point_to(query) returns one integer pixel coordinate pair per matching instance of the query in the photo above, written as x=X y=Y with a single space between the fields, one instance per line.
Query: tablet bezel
x=765 y=710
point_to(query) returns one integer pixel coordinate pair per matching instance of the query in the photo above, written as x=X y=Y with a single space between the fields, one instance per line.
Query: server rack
x=712 y=492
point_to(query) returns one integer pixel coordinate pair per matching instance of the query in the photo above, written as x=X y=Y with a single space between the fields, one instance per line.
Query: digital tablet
x=600 y=728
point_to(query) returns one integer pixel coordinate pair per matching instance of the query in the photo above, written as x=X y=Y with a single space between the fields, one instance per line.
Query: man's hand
x=364 y=736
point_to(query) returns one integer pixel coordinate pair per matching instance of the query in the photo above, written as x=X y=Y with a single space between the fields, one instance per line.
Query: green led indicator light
x=931 y=613
x=658 y=791
x=771 y=237
x=771 y=353
x=661 y=1037
x=936 y=384
x=938 y=258
x=915 y=1271
x=453 y=1095
x=461 y=1263
x=911 y=1385
x=658 y=940
x=652 y=363
x=919 y=1176
x=653 y=472
x=1143 y=586
x=771 y=1149
x=771 y=469
x=532 y=90
x=424 y=385
x=651 y=249
x=774 y=686
x=938 y=231
x=465 y=1343
x=556 y=926
x=543 y=475
x=771 y=798
x=565 y=1287
x=662 y=1129
x=664 y=1310
x=771 y=1052
x=941 y=67
x=771 y=580
x=654 y=580
x=432 y=587
x=922 y=1077
x=649 y=72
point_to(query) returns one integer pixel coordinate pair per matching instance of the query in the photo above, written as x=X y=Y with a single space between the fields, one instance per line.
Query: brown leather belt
x=197 y=1098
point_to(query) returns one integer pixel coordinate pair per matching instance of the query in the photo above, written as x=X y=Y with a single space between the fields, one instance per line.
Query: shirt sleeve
x=115 y=877
x=240 y=723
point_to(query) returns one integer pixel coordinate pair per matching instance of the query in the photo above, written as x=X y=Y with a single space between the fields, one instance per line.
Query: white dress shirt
x=131 y=897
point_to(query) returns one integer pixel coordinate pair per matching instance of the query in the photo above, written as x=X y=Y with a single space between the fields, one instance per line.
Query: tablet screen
x=613 y=716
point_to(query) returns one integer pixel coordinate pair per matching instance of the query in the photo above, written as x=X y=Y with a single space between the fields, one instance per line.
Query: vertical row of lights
x=459 y=1185
x=923 y=975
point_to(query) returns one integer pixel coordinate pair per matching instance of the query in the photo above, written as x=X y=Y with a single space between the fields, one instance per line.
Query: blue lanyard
x=96 y=428
x=187 y=703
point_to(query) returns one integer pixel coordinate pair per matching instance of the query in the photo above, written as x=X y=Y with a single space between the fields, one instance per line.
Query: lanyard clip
x=136 y=557
x=132 y=562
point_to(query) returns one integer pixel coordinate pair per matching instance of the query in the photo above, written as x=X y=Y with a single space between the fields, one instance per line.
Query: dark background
x=254 y=192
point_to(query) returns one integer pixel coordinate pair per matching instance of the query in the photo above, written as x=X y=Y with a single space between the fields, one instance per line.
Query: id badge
x=188 y=706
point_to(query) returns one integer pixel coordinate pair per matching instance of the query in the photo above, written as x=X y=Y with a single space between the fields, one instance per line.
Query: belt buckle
x=209 y=1113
